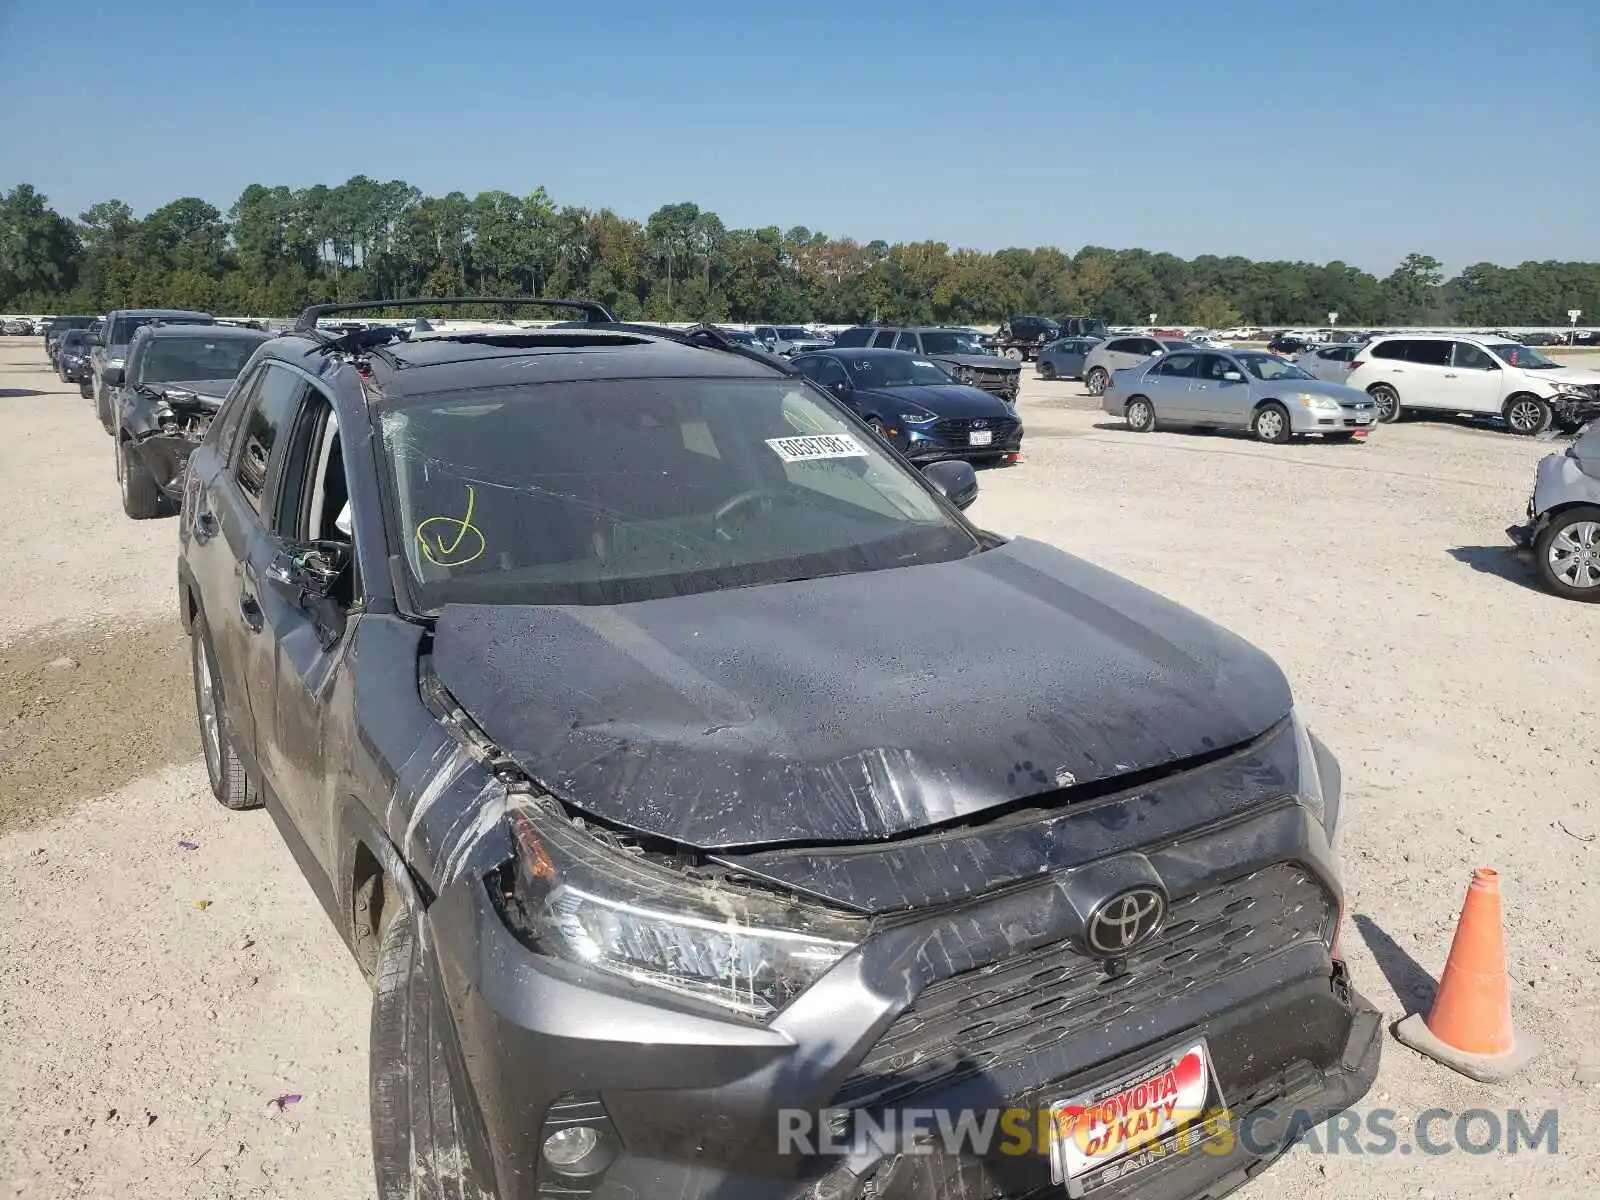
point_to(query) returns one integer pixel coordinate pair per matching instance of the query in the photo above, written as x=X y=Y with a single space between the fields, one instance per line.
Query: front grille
x=1001 y=383
x=1011 y=1010
x=957 y=428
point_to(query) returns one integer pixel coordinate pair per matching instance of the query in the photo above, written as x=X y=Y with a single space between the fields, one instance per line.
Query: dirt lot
x=145 y=1032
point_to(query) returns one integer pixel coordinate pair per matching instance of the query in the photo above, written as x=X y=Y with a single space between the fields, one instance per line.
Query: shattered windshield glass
x=614 y=491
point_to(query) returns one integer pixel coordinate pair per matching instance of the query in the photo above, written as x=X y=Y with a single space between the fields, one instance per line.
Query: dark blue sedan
x=915 y=405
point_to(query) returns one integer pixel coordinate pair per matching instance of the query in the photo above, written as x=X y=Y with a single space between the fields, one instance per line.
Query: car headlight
x=1318 y=784
x=116 y=362
x=1319 y=403
x=1569 y=389
x=918 y=418
x=575 y=898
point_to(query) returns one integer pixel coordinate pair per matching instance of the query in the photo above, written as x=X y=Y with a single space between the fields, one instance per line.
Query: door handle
x=250 y=612
x=205 y=525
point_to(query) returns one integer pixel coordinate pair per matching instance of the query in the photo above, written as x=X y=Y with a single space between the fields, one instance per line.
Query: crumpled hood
x=853 y=708
x=984 y=362
x=208 y=394
x=1586 y=376
x=947 y=400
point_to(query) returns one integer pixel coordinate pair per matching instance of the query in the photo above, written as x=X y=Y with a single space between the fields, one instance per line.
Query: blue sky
x=1352 y=130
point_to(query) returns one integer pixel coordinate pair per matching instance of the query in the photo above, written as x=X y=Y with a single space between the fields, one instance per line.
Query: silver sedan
x=1246 y=389
x=1331 y=363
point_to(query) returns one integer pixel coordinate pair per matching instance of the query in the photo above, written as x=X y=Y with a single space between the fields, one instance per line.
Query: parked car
x=957 y=351
x=1540 y=338
x=1237 y=389
x=1063 y=358
x=16 y=326
x=1328 y=362
x=1562 y=532
x=109 y=348
x=915 y=405
x=1284 y=344
x=162 y=403
x=626 y=769
x=1081 y=326
x=1116 y=353
x=1461 y=373
x=1020 y=338
x=58 y=326
x=789 y=340
x=72 y=357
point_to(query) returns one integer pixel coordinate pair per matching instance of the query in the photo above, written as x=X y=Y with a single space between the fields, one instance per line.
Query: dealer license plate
x=1132 y=1121
x=980 y=437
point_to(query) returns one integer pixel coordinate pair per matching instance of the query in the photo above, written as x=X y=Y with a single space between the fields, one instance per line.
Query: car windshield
x=951 y=341
x=643 y=489
x=895 y=370
x=1522 y=356
x=170 y=359
x=1270 y=368
x=72 y=339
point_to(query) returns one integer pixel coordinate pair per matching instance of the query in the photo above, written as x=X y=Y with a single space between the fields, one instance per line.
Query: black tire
x=85 y=390
x=1271 y=423
x=1047 y=370
x=229 y=783
x=878 y=427
x=1140 y=414
x=419 y=1147
x=141 y=498
x=1527 y=415
x=1096 y=381
x=1570 y=535
x=102 y=409
x=1387 y=400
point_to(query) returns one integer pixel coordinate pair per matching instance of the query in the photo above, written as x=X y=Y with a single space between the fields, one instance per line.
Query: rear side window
x=1390 y=350
x=268 y=418
x=853 y=337
x=885 y=339
x=1123 y=346
x=1428 y=354
x=906 y=341
x=1183 y=366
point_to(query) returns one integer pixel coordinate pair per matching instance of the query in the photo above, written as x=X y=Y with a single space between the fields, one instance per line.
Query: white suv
x=1485 y=375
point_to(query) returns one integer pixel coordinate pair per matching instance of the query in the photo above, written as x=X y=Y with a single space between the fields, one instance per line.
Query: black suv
x=109 y=348
x=682 y=766
x=162 y=402
x=959 y=351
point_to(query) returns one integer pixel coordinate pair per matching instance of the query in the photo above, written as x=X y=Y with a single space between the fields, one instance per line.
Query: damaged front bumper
x=166 y=457
x=938 y=1013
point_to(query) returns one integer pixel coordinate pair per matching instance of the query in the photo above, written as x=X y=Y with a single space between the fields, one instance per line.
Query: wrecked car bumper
x=167 y=458
x=933 y=1015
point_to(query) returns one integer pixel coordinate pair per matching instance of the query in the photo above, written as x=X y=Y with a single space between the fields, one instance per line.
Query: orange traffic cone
x=1469 y=1028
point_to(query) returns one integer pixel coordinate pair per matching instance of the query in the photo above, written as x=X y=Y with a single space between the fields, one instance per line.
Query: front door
x=1475 y=379
x=1219 y=400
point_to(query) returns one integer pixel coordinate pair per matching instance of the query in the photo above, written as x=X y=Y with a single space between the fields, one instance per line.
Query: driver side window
x=825 y=371
x=316 y=491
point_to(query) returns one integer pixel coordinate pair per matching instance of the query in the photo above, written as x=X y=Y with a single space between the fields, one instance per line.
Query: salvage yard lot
x=144 y=1032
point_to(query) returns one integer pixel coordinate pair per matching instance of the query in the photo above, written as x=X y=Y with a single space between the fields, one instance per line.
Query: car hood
x=204 y=395
x=838 y=710
x=945 y=400
x=1343 y=393
x=984 y=362
x=1586 y=376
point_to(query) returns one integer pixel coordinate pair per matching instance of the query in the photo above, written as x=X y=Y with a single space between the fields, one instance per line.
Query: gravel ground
x=154 y=999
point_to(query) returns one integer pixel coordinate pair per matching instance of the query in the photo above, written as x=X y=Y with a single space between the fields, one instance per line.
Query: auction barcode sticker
x=820 y=445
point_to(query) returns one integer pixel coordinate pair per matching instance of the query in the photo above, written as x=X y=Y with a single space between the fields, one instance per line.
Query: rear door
x=1169 y=383
x=1475 y=380
x=1420 y=377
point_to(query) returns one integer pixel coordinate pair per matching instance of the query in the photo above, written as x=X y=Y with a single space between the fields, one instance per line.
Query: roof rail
x=596 y=312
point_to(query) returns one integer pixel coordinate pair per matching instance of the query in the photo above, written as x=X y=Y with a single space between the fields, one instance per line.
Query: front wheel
x=85 y=390
x=1141 y=415
x=419 y=1150
x=1272 y=423
x=1567 y=553
x=1387 y=400
x=1097 y=381
x=141 y=498
x=1527 y=416
x=1047 y=370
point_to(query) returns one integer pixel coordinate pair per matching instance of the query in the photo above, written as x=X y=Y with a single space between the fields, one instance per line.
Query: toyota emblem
x=1125 y=920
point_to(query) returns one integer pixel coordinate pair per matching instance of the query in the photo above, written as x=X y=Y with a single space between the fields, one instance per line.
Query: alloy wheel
x=1525 y=416
x=205 y=693
x=1270 y=425
x=1574 y=554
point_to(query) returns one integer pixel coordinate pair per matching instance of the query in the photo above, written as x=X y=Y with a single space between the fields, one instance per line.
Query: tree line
x=278 y=249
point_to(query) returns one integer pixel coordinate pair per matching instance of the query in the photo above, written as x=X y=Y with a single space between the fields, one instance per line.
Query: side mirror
x=956 y=481
x=842 y=387
x=93 y=340
x=308 y=570
x=113 y=376
x=1233 y=377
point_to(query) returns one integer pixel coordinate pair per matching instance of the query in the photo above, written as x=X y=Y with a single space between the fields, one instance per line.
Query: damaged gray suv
x=587 y=673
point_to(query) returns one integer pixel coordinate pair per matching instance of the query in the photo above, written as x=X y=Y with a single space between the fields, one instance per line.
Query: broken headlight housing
x=575 y=897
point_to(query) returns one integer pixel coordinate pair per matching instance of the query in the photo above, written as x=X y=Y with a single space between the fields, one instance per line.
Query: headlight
x=918 y=418
x=1319 y=403
x=1569 y=389
x=1318 y=794
x=116 y=362
x=574 y=898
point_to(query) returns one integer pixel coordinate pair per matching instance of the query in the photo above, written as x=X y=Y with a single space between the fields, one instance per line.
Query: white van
x=1474 y=373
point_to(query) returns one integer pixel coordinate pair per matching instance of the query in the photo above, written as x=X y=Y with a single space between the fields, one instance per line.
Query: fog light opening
x=567 y=1150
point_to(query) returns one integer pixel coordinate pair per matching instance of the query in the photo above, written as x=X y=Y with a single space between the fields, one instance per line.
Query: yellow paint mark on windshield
x=452 y=541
